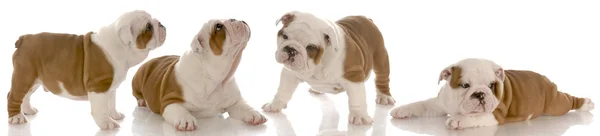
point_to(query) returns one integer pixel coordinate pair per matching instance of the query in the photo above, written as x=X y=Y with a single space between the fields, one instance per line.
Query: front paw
x=402 y=112
x=461 y=122
x=359 y=118
x=117 y=115
x=107 y=123
x=185 y=123
x=18 y=119
x=254 y=118
x=385 y=99
x=274 y=106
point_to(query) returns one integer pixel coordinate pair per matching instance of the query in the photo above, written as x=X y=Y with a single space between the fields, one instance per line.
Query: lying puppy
x=200 y=83
x=332 y=57
x=479 y=93
x=82 y=67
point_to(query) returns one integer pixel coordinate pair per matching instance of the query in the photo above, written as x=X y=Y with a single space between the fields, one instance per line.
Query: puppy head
x=220 y=38
x=139 y=31
x=472 y=86
x=302 y=40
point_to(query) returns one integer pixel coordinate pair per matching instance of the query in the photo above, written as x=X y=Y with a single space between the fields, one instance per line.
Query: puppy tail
x=19 y=41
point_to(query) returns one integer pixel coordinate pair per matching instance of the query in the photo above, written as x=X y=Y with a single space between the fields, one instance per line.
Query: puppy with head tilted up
x=201 y=82
x=82 y=67
x=332 y=57
x=479 y=92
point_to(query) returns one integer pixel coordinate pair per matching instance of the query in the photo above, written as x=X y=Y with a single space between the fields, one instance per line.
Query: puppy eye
x=465 y=85
x=219 y=27
x=149 y=27
x=285 y=37
x=492 y=85
x=311 y=48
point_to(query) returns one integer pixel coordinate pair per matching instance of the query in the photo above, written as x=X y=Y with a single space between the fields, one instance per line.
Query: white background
x=559 y=39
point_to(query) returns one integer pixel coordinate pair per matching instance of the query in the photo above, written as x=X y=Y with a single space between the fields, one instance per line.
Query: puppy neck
x=195 y=68
x=120 y=54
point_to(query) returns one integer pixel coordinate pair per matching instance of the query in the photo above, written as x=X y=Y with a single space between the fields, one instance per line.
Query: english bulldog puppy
x=201 y=82
x=479 y=93
x=82 y=67
x=332 y=57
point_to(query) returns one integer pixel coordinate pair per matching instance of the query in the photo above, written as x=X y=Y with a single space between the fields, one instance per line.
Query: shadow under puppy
x=332 y=57
x=201 y=82
x=82 y=67
x=479 y=92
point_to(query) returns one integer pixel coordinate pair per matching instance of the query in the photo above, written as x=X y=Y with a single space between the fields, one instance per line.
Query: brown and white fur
x=317 y=51
x=123 y=44
x=479 y=93
x=203 y=84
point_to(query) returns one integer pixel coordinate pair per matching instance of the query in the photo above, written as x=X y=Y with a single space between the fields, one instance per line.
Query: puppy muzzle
x=239 y=30
x=478 y=100
x=291 y=56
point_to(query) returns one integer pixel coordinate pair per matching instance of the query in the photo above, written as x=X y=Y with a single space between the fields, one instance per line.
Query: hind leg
x=26 y=105
x=22 y=84
x=561 y=103
x=381 y=68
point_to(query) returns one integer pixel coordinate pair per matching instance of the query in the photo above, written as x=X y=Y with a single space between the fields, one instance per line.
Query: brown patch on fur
x=286 y=19
x=365 y=50
x=156 y=84
x=526 y=93
x=217 y=39
x=315 y=53
x=455 y=76
x=74 y=60
x=143 y=39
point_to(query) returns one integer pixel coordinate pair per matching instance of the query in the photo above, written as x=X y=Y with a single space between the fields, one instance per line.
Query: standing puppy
x=200 y=83
x=82 y=67
x=332 y=57
x=479 y=92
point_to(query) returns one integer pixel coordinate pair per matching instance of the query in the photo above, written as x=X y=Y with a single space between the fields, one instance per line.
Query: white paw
x=274 y=106
x=457 y=123
x=18 y=119
x=359 y=119
x=28 y=110
x=588 y=105
x=107 y=123
x=385 y=99
x=186 y=122
x=117 y=115
x=401 y=112
x=141 y=102
x=254 y=118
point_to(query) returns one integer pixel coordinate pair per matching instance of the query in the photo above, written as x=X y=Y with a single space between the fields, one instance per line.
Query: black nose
x=160 y=24
x=232 y=20
x=478 y=95
x=244 y=22
x=291 y=51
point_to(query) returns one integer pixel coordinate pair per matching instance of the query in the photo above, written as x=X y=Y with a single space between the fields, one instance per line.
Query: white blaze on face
x=299 y=31
x=470 y=87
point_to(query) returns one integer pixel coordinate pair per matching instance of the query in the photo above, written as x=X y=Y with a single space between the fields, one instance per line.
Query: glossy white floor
x=558 y=39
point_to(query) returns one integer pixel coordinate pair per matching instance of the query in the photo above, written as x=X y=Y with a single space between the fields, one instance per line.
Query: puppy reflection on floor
x=330 y=120
x=548 y=124
x=146 y=123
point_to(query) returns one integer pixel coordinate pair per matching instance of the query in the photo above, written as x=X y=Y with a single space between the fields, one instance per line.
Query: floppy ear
x=446 y=74
x=285 y=19
x=197 y=45
x=125 y=32
x=498 y=71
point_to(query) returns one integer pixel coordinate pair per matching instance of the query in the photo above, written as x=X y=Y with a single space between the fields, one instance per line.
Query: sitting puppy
x=479 y=93
x=82 y=67
x=200 y=83
x=332 y=57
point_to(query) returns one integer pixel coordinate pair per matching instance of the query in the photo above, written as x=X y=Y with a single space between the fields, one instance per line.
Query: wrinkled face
x=139 y=31
x=302 y=41
x=472 y=86
x=221 y=38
